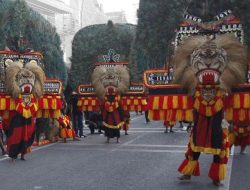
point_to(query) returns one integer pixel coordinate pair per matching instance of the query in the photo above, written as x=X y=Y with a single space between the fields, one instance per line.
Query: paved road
x=146 y=159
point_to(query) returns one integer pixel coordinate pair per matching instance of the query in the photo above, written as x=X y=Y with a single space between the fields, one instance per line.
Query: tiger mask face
x=112 y=81
x=219 y=61
x=28 y=79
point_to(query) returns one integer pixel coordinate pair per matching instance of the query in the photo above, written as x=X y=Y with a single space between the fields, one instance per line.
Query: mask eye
x=8 y=62
x=33 y=62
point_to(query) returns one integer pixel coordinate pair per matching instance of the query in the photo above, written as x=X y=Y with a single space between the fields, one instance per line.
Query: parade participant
x=25 y=84
x=146 y=117
x=1 y=138
x=240 y=136
x=113 y=118
x=109 y=84
x=125 y=127
x=169 y=125
x=211 y=73
x=76 y=115
x=65 y=129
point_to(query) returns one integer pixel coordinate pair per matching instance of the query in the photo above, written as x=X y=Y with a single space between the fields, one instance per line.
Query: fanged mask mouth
x=26 y=88
x=208 y=76
x=110 y=90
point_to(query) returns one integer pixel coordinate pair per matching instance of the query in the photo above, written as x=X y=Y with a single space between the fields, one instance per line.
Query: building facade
x=68 y=16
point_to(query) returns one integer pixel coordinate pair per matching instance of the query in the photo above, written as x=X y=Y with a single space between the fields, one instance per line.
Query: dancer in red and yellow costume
x=109 y=83
x=65 y=129
x=212 y=69
x=169 y=125
x=208 y=89
x=240 y=136
x=25 y=84
x=125 y=126
x=25 y=95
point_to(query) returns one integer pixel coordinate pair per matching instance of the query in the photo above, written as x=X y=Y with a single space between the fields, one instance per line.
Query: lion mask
x=28 y=79
x=210 y=61
x=106 y=79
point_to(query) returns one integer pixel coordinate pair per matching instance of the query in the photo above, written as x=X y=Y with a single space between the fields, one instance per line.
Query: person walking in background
x=146 y=117
x=1 y=138
x=146 y=111
x=76 y=115
x=170 y=125
x=125 y=126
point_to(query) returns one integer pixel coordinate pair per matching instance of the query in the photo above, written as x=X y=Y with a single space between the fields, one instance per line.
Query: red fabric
x=204 y=131
x=22 y=133
x=112 y=118
x=185 y=163
x=214 y=172
x=242 y=140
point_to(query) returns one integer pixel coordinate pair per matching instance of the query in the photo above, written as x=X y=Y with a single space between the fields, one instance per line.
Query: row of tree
x=18 y=20
x=157 y=21
x=91 y=42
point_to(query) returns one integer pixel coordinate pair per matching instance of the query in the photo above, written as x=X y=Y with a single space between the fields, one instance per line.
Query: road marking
x=38 y=187
x=146 y=128
x=133 y=140
x=157 y=145
x=129 y=145
x=129 y=142
x=150 y=151
x=151 y=131
x=136 y=118
x=34 y=149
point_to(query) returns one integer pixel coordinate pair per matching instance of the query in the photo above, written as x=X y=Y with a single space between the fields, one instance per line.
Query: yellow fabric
x=2 y=104
x=165 y=102
x=236 y=101
x=246 y=101
x=62 y=133
x=190 y=167
x=175 y=102
x=222 y=171
x=45 y=103
x=113 y=126
x=184 y=100
x=207 y=150
x=231 y=138
x=136 y=102
x=229 y=114
x=156 y=103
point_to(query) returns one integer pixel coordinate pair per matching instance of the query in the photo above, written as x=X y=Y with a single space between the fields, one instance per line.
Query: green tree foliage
x=157 y=21
x=18 y=19
x=93 y=41
x=207 y=9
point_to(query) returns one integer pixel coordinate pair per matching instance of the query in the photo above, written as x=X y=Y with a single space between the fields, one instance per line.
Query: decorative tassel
x=217 y=171
x=190 y=167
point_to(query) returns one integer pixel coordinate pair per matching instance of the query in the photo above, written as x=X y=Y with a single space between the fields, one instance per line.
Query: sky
x=128 y=6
